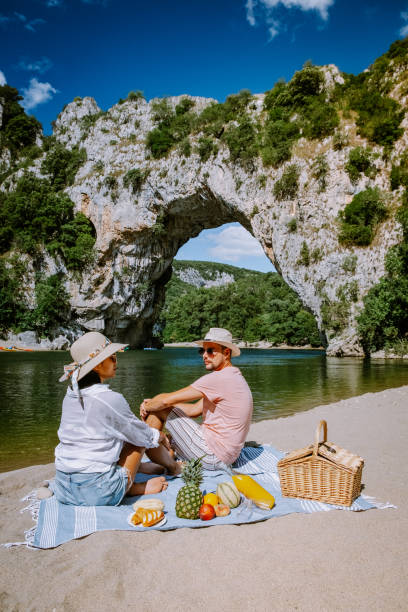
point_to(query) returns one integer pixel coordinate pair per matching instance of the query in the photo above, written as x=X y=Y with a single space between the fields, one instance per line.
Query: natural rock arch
x=140 y=228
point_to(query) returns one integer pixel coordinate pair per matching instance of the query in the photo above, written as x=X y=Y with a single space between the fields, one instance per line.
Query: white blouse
x=92 y=437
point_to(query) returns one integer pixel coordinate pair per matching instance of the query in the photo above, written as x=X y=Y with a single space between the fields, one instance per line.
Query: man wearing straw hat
x=224 y=401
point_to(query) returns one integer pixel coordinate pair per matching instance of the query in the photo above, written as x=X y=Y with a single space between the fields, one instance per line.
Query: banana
x=152 y=503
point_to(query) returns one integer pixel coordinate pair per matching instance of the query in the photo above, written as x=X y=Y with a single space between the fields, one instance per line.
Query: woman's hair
x=92 y=378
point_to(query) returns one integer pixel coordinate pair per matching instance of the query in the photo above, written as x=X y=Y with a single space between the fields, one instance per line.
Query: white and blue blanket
x=58 y=523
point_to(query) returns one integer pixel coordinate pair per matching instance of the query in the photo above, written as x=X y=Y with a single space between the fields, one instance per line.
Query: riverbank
x=331 y=560
x=262 y=344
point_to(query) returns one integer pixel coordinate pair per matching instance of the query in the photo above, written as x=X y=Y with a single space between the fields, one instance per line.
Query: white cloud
x=37 y=93
x=31 y=25
x=273 y=28
x=404 y=30
x=250 y=5
x=22 y=19
x=41 y=65
x=266 y=11
x=2 y=78
x=232 y=243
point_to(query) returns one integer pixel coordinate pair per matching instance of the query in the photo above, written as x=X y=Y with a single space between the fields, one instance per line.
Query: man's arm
x=166 y=400
x=192 y=410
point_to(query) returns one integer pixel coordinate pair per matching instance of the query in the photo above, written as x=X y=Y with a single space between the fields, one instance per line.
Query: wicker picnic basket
x=322 y=471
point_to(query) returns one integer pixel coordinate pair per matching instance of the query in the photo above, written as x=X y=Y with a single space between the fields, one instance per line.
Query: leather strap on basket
x=317 y=436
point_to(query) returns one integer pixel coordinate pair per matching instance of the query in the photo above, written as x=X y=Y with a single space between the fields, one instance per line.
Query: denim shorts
x=93 y=489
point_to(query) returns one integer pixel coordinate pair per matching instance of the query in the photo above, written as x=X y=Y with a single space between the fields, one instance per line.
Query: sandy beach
x=324 y=561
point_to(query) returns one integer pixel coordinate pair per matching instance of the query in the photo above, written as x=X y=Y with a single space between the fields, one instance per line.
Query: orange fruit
x=211 y=498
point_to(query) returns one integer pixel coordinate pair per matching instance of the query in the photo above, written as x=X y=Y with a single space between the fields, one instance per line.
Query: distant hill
x=254 y=306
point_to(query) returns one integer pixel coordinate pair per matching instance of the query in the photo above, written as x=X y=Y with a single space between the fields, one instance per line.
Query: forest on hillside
x=256 y=306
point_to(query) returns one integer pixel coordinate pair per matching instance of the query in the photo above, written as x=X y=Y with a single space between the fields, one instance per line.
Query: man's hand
x=151 y=405
x=143 y=410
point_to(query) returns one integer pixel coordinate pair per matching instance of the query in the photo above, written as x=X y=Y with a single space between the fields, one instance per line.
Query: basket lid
x=327 y=450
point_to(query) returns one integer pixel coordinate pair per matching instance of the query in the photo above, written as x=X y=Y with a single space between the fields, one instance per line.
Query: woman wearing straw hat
x=101 y=440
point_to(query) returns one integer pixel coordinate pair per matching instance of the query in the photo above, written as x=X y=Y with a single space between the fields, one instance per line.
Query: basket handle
x=317 y=436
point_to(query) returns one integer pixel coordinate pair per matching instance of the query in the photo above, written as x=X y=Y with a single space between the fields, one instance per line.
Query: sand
x=324 y=561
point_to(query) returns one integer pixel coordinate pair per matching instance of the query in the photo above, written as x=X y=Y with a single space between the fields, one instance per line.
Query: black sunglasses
x=209 y=351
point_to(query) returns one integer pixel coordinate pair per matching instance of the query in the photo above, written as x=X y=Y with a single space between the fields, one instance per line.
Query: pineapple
x=190 y=498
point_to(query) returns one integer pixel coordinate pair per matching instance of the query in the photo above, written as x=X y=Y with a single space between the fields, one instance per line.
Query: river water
x=283 y=382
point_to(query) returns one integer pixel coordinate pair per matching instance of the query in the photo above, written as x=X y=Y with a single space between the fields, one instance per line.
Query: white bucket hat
x=89 y=350
x=220 y=336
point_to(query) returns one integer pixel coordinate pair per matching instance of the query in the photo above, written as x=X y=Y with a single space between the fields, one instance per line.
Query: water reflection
x=282 y=382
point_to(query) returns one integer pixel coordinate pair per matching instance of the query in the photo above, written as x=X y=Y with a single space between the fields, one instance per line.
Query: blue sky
x=54 y=50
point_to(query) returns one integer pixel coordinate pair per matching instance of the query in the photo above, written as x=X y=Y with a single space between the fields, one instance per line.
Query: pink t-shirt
x=227 y=411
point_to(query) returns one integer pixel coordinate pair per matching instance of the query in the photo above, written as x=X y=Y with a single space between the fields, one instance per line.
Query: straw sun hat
x=87 y=352
x=220 y=336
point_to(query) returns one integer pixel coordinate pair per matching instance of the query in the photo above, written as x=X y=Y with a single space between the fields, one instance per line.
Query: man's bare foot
x=151 y=486
x=149 y=467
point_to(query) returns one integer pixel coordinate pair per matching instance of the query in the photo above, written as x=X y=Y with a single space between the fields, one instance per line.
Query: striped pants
x=188 y=441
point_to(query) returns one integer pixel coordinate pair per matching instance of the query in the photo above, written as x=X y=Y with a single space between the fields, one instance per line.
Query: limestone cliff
x=142 y=220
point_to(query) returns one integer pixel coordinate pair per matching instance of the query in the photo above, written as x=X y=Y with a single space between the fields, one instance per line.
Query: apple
x=207 y=512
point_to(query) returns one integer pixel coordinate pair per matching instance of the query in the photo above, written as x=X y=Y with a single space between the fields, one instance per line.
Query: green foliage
x=320 y=170
x=134 y=96
x=76 y=241
x=320 y=119
x=110 y=182
x=349 y=263
x=316 y=255
x=305 y=84
x=278 y=136
x=360 y=160
x=379 y=116
x=185 y=147
x=399 y=173
x=241 y=140
x=159 y=141
x=340 y=140
x=336 y=313
x=173 y=128
x=184 y=106
x=18 y=131
x=262 y=179
x=159 y=227
x=286 y=187
x=34 y=214
x=12 y=308
x=52 y=302
x=135 y=179
x=52 y=306
x=255 y=307
x=304 y=255
x=361 y=216
x=88 y=121
x=206 y=147
x=161 y=111
x=99 y=166
x=292 y=225
x=384 y=321
x=62 y=164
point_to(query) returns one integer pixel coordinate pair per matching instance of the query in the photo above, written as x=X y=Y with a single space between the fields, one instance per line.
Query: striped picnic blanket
x=58 y=523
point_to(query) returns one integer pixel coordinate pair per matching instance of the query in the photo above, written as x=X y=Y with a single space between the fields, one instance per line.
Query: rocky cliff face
x=141 y=226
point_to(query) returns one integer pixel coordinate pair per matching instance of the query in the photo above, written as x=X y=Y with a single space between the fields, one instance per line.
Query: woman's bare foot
x=151 y=486
x=178 y=469
x=149 y=467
